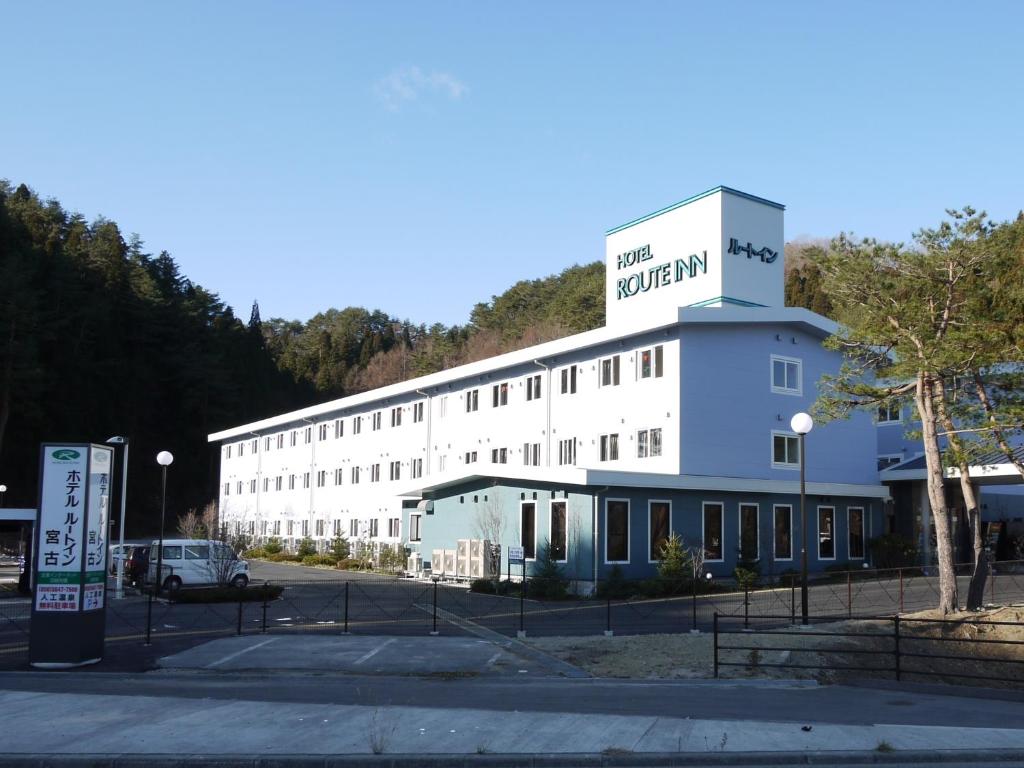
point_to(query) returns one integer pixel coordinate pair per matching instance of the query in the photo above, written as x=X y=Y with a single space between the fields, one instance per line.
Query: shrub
x=306 y=547
x=675 y=560
x=746 y=578
x=548 y=581
x=272 y=546
x=492 y=587
x=615 y=586
x=256 y=553
x=340 y=548
x=351 y=564
x=890 y=550
x=283 y=557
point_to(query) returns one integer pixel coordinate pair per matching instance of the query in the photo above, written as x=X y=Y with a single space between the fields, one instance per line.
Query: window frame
x=703 y=529
x=784 y=390
x=650 y=528
x=792 y=543
x=817 y=526
x=607 y=530
x=522 y=540
x=787 y=434
x=569 y=380
x=849 y=533
x=879 y=421
x=565 y=527
x=615 y=371
x=757 y=529
x=415 y=532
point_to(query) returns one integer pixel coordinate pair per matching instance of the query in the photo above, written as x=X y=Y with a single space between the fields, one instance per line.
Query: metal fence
x=951 y=650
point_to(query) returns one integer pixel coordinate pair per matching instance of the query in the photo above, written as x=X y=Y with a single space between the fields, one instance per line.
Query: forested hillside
x=99 y=337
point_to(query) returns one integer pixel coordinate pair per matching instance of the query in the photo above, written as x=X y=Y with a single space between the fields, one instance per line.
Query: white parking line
x=374 y=652
x=236 y=654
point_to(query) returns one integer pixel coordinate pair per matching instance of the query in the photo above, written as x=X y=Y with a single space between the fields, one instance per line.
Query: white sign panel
x=515 y=554
x=62 y=528
x=96 y=532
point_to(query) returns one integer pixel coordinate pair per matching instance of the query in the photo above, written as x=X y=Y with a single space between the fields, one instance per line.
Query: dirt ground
x=815 y=652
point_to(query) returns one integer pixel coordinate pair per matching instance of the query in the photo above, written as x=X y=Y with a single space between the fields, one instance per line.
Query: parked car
x=197 y=562
x=117 y=551
x=137 y=565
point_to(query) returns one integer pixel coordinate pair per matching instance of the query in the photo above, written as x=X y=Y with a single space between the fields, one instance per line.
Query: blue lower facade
x=594 y=530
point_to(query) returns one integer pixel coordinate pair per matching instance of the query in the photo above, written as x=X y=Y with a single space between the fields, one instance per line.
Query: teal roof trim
x=693 y=199
x=725 y=300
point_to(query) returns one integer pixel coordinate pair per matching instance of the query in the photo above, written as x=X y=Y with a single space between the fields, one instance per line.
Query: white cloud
x=409 y=83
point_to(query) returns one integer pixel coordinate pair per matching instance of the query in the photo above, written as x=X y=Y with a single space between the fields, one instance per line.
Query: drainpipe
x=259 y=473
x=430 y=417
x=547 y=432
x=597 y=496
x=312 y=467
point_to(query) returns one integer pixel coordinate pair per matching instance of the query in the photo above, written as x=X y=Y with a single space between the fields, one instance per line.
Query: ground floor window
x=558 y=530
x=855 y=524
x=617 y=531
x=750 y=547
x=528 y=530
x=826 y=533
x=660 y=514
x=783 y=528
x=713 y=533
x=414 y=527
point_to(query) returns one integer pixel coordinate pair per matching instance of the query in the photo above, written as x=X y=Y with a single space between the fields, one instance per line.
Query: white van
x=197 y=562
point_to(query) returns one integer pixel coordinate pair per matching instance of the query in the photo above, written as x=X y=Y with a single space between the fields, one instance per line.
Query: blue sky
x=420 y=157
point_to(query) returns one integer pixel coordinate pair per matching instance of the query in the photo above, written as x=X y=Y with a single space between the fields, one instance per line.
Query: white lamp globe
x=802 y=423
x=3 y=489
x=164 y=458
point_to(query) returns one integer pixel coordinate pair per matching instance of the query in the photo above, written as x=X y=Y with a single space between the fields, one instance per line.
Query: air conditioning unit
x=437 y=563
x=449 y=562
x=462 y=558
x=414 y=565
x=481 y=565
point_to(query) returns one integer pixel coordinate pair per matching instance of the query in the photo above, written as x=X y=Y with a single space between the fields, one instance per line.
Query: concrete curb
x=668 y=760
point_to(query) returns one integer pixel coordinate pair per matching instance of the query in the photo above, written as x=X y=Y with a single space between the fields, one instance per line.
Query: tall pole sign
x=68 y=620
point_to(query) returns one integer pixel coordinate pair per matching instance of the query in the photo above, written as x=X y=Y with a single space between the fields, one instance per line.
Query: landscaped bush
x=491 y=587
x=256 y=553
x=272 y=546
x=340 y=548
x=306 y=547
x=251 y=594
x=319 y=560
x=283 y=557
x=890 y=550
x=352 y=564
x=746 y=578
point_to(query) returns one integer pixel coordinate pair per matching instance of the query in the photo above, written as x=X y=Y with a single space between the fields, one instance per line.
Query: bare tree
x=489 y=524
x=190 y=526
x=211 y=521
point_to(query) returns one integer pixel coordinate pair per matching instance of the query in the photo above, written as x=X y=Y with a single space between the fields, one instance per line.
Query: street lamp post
x=119 y=590
x=802 y=423
x=3 y=490
x=164 y=459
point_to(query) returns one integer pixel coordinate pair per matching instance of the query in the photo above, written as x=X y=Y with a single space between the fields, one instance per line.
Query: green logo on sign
x=65 y=454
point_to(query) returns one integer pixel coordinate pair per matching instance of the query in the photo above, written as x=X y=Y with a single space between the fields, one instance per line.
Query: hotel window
x=470 y=457
x=305 y=528
x=749 y=542
x=442 y=407
x=569 y=380
x=533 y=387
x=227 y=452
x=609 y=447
x=375 y=473
x=651 y=363
x=826 y=533
x=266 y=484
x=280 y=440
x=353 y=528
x=255 y=444
x=394 y=525
x=786 y=378
x=321 y=478
x=472 y=400
x=531 y=454
x=373 y=528
x=660 y=527
x=499 y=456
x=375 y=420
x=291 y=482
x=712 y=532
x=616 y=536
x=305 y=480
x=395 y=470
x=238 y=487
x=499 y=395
x=293 y=437
x=396 y=417
x=855 y=527
x=609 y=369
x=782 y=527
x=558 y=531
x=276 y=528
x=567 y=451
x=889 y=460
x=355 y=475
x=417 y=413
x=890 y=413
x=278 y=482
x=290 y=527
x=266 y=444
x=416 y=468
x=263 y=528
x=321 y=431
x=442 y=463
x=338 y=476
x=337 y=527
x=241 y=450
x=648 y=443
x=339 y=428
x=785 y=450
x=252 y=486
x=227 y=489
x=320 y=528
x=414 y=527
x=357 y=425
x=308 y=435
x=528 y=529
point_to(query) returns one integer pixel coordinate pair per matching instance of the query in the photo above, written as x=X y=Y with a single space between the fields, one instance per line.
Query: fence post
x=849 y=595
x=792 y=599
x=238 y=630
x=266 y=590
x=149 y=617
x=522 y=602
x=992 y=582
x=900 y=572
x=608 y=617
x=714 y=624
x=346 y=608
x=896 y=624
x=746 y=608
x=434 y=630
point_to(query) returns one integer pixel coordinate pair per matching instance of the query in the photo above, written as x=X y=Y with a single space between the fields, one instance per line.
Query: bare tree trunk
x=924 y=397
x=976 y=589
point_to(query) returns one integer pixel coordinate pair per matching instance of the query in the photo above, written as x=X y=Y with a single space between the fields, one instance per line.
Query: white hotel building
x=673 y=417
